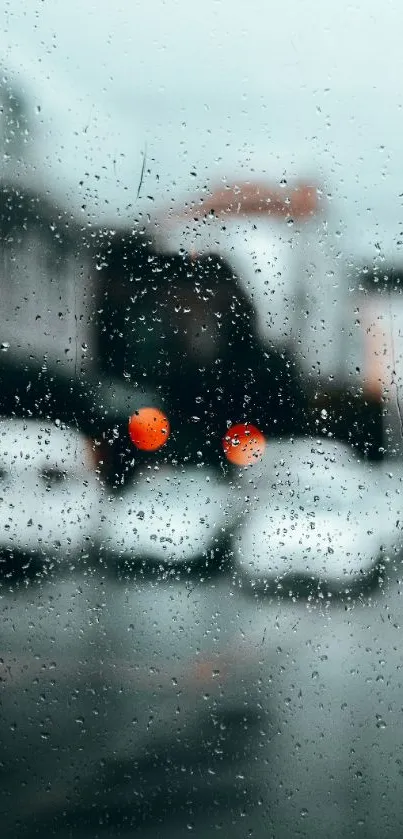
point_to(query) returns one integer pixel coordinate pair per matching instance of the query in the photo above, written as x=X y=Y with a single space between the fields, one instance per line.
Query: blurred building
x=14 y=122
x=47 y=280
x=47 y=276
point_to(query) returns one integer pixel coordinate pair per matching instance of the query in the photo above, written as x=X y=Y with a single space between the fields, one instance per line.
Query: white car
x=176 y=515
x=319 y=514
x=49 y=491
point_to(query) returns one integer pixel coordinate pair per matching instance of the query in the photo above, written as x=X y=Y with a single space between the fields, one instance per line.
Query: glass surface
x=201 y=426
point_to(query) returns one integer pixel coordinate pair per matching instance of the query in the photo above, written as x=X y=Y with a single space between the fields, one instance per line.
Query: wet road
x=329 y=755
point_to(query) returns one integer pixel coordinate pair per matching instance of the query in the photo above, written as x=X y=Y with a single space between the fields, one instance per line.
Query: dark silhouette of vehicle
x=186 y=328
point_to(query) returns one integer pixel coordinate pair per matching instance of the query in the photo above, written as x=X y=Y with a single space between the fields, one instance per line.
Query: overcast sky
x=210 y=89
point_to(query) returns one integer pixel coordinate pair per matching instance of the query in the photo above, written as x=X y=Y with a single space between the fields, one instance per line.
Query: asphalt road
x=330 y=760
x=335 y=683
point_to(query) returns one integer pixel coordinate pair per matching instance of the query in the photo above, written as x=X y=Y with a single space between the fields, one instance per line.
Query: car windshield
x=201 y=425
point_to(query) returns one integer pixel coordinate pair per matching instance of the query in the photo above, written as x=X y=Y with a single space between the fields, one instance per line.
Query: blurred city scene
x=201 y=350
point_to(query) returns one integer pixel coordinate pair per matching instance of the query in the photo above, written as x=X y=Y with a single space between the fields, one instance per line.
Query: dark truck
x=186 y=329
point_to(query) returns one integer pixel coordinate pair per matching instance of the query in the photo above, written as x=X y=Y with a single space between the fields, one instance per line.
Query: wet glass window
x=201 y=424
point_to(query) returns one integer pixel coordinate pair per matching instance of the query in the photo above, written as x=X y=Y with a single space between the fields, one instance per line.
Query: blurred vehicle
x=173 y=516
x=186 y=328
x=323 y=520
x=50 y=495
x=284 y=244
x=128 y=695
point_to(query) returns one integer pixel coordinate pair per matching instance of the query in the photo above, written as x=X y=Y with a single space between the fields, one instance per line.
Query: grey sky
x=220 y=87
